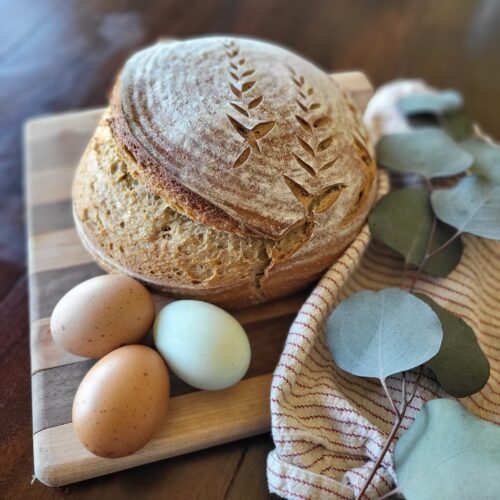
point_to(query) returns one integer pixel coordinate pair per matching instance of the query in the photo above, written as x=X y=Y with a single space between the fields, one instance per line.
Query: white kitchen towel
x=329 y=426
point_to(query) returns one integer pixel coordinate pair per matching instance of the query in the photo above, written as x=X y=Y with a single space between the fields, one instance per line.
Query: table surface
x=58 y=55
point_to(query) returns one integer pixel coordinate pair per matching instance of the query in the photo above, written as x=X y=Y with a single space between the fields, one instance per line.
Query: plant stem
x=393 y=432
x=389 y=397
x=389 y=494
x=403 y=396
x=444 y=245
x=426 y=254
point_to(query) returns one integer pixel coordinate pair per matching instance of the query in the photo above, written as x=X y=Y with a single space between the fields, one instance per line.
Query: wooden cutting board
x=57 y=262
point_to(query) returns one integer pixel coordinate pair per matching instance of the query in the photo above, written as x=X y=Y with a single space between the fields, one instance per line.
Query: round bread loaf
x=228 y=170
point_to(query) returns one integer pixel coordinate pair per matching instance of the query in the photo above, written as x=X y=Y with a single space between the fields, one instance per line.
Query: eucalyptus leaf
x=486 y=159
x=403 y=221
x=378 y=334
x=448 y=453
x=458 y=124
x=429 y=152
x=435 y=102
x=472 y=206
x=460 y=365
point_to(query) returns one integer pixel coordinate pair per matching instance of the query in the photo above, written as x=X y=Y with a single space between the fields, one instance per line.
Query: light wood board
x=58 y=262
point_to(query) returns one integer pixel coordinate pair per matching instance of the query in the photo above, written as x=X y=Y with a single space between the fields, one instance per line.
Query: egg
x=202 y=344
x=101 y=314
x=121 y=401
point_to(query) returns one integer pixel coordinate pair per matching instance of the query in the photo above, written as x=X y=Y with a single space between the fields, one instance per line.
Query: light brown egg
x=122 y=401
x=101 y=314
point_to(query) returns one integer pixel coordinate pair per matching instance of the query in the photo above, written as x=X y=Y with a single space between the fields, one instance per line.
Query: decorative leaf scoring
x=252 y=135
x=324 y=144
x=315 y=203
x=328 y=164
x=303 y=123
x=303 y=196
x=242 y=158
x=365 y=155
x=301 y=106
x=241 y=129
x=321 y=122
x=247 y=86
x=235 y=91
x=305 y=165
x=255 y=102
x=239 y=108
x=326 y=198
x=312 y=146
x=308 y=149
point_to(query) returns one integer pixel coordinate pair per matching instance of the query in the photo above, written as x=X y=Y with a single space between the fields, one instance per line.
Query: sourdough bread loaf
x=225 y=169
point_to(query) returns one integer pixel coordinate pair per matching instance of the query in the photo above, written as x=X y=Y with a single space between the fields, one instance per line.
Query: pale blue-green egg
x=202 y=344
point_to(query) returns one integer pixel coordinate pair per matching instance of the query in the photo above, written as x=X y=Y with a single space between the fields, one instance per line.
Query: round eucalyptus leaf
x=472 y=206
x=460 y=365
x=486 y=159
x=448 y=453
x=378 y=334
x=436 y=102
x=458 y=124
x=403 y=221
x=425 y=151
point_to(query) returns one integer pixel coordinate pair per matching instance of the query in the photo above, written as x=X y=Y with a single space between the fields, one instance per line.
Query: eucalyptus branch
x=389 y=397
x=389 y=494
x=426 y=257
x=394 y=430
x=403 y=396
x=444 y=245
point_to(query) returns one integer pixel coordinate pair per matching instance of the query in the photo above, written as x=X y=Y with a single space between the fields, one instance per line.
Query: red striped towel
x=329 y=426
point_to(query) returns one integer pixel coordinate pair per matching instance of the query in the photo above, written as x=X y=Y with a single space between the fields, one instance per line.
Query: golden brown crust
x=215 y=233
x=156 y=178
x=241 y=135
x=130 y=230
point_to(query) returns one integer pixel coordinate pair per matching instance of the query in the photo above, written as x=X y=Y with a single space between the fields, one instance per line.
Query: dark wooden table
x=57 y=55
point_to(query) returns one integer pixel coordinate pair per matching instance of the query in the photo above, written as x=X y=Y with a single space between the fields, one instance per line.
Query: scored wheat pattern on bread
x=316 y=156
x=241 y=82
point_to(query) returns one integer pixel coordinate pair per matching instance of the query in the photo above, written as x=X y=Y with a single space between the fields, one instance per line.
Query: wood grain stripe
x=46 y=288
x=54 y=388
x=45 y=353
x=56 y=250
x=58 y=184
x=59 y=141
x=193 y=422
x=51 y=217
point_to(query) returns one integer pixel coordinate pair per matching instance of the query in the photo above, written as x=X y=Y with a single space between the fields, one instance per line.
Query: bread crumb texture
x=140 y=231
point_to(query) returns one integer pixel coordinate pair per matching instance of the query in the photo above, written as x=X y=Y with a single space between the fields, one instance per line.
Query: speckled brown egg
x=101 y=314
x=122 y=401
